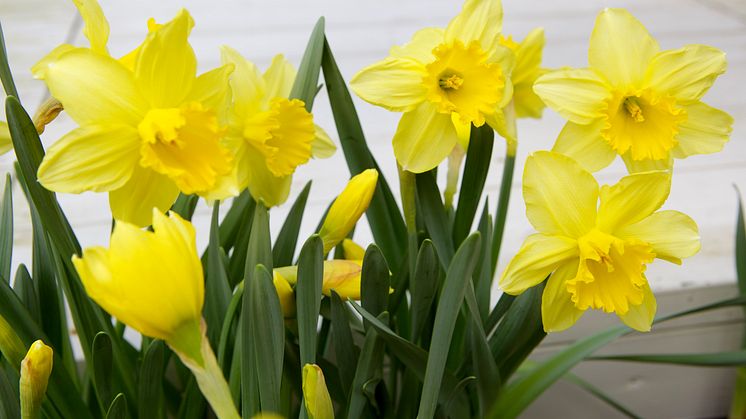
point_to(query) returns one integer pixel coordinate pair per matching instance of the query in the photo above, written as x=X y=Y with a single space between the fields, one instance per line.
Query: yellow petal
x=640 y=317
x=639 y=166
x=348 y=208
x=264 y=186
x=579 y=95
x=322 y=147
x=585 y=145
x=95 y=26
x=503 y=121
x=94 y=88
x=527 y=69
x=285 y=294
x=91 y=158
x=315 y=395
x=539 y=256
x=633 y=198
x=151 y=281
x=342 y=277
x=166 y=66
x=621 y=48
x=687 y=73
x=394 y=83
x=420 y=48
x=39 y=70
x=247 y=84
x=479 y=20
x=672 y=235
x=561 y=197
x=211 y=89
x=6 y=143
x=558 y=312
x=705 y=131
x=463 y=130
x=279 y=78
x=291 y=141
x=423 y=139
x=146 y=189
x=352 y=250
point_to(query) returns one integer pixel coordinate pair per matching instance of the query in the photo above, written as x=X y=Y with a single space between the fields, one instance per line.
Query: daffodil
x=6 y=144
x=595 y=243
x=528 y=54
x=340 y=275
x=444 y=80
x=269 y=133
x=316 y=397
x=635 y=100
x=348 y=208
x=152 y=281
x=145 y=133
x=36 y=368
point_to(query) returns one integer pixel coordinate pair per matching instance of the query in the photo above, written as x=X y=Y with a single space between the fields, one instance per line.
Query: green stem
x=502 y=203
x=211 y=381
x=408 y=191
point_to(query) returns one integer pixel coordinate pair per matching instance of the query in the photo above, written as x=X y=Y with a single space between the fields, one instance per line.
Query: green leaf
x=501 y=214
x=368 y=370
x=284 y=247
x=720 y=359
x=217 y=287
x=230 y=317
x=738 y=404
x=307 y=81
x=6 y=230
x=477 y=165
x=150 y=382
x=483 y=277
x=102 y=359
x=424 y=287
x=374 y=281
x=503 y=305
x=118 y=408
x=384 y=216
x=596 y=392
x=185 y=206
x=258 y=252
x=308 y=297
x=23 y=286
x=345 y=351
x=5 y=75
x=237 y=264
x=269 y=338
x=241 y=209
x=9 y=406
x=452 y=295
x=434 y=215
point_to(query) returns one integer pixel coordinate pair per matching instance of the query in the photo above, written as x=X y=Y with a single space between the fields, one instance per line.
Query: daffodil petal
x=95 y=26
x=6 y=143
x=561 y=197
x=632 y=199
x=212 y=91
x=705 y=131
x=424 y=139
x=672 y=235
x=640 y=317
x=463 y=130
x=479 y=20
x=146 y=189
x=91 y=158
x=558 y=312
x=394 y=83
x=247 y=84
x=94 y=88
x=585 y=145
x=538 y=257
x=621 y=48
x=528 y=56
x=420 y=48
x=322 y=146
x=279 y=78
x=504 y=124
x=640 y=166
x=39 y=70
x=166 y=66
x=579 y=95
x=687 y=73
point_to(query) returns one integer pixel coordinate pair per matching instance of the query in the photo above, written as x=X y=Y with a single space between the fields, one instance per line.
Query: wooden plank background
x=361 y=32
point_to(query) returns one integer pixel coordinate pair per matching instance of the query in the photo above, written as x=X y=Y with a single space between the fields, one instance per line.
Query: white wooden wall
x=360 y=32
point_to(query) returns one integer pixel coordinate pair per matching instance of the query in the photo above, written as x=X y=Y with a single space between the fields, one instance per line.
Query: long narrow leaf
x=477 y=166
x=217 y=287
x=6 y=230
x=5 y=76
x=307 y=80
x=150 y=382
x=345 y=350
x=284 y=247
x=720 y=359
x=308 y=297
x=434 y=215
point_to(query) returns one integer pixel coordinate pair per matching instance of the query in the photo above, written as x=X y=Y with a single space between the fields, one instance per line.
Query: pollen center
x=184 y=144
x=610 y=274
x=643 y=124
x=463 y=80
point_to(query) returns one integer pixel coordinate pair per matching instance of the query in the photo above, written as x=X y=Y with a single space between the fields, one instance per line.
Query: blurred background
x=360 y=33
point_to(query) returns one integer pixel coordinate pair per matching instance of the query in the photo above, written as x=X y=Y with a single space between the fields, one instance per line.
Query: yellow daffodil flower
x=269 y=133
x=36 y=368
x=348 y=208
x=285 y=293
x=340 y=275
x=352 y=250
x=315 y=394
x=152 y=281
x=6 y=144
x=635 y=100
x=443 y=81
x=596 y=253
x=528 y=54
x=145 y=133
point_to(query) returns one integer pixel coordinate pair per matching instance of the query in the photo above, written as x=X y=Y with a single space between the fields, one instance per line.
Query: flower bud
x=315 y=395
x=35 y=370
x=353 y=251
x=347 y=208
